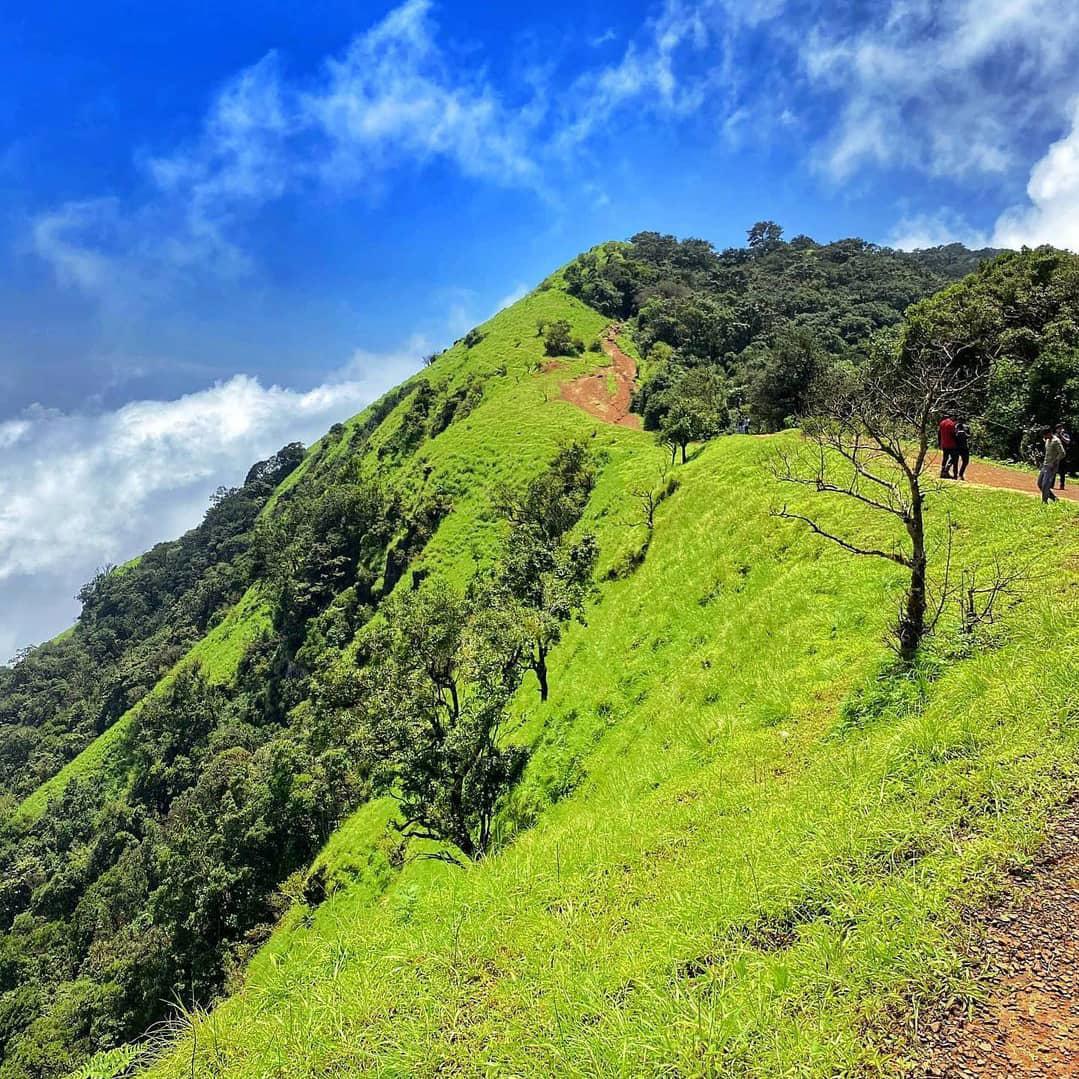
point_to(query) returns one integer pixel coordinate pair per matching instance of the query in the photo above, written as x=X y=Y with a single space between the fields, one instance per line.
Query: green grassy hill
x=743 y=841
x=740 y=845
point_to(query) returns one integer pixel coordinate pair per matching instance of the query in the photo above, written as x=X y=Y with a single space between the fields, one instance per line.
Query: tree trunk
x=462 y=836
x=464 y=843
x=540 y=667
x=684 y=445
x=912 y=620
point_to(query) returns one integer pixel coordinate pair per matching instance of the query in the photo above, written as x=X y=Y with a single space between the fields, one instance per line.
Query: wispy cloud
x=949 y=88
x=651 y=72
x=394 y=97
x=391 y=99
x=1052 y=215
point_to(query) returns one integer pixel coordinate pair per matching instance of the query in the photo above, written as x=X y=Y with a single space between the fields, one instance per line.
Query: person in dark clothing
x=962 y=449
x=948 y=446
x=1066 y=442
x=1054 y=454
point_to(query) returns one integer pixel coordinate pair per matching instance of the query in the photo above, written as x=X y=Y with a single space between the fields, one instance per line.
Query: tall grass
x=741 y=839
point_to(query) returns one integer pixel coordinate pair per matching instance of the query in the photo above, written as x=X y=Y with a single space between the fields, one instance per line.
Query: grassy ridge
x=736 y=843
x=218 y=653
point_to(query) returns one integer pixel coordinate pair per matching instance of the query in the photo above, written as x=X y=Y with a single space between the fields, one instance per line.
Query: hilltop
x=730 y=839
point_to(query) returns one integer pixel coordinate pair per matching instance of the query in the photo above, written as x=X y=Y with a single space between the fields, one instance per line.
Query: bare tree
x=982 y=592
x=648 y=497
x=871 y=433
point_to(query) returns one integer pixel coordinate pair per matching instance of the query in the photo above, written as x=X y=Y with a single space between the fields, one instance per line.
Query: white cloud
x=648 y=73
x=1052 y=217
x=78 y=491
x=392 y=99
x=950 y=88
x=931 y=230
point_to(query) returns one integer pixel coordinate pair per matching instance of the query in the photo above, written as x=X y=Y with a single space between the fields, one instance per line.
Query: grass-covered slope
x=738 y=845
x=218 y=655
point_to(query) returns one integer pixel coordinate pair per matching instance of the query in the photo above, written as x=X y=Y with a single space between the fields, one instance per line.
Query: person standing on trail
x=1054 y=454
x=962 y=449
x=948 y=447
x=1066 y=442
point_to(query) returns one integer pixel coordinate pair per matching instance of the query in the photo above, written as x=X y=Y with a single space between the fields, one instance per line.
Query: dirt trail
x=990 y=475
x=1029 y=937
x=593 y=392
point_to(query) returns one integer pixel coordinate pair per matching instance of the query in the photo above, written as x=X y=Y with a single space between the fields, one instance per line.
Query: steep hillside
x=739 y=842
x=731 y=838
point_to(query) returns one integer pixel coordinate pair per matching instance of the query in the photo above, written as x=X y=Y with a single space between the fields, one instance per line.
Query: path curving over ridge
x=595 y=393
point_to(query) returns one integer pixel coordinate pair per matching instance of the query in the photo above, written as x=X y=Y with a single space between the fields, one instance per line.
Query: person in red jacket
x=949 y=447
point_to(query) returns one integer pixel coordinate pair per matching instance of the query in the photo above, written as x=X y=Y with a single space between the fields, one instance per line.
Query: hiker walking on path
x=1054 y=454
x=962 y=449
x=948 y=446
x=1066 y=442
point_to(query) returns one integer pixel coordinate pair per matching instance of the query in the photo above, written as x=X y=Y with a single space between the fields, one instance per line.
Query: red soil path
x=1029 y=940
x=989 y=475
x=593 y=393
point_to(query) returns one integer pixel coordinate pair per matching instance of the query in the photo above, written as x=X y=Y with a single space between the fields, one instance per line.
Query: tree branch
x=872 y=552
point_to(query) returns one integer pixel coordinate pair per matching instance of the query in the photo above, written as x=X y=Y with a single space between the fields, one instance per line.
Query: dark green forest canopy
x=761 y=313
x=1017 y=320
x=712 y=305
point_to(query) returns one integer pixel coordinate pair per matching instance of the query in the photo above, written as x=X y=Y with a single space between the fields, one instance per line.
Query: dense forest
x=748 y=329
x=151 y=883
x=136 y=622
x=763 y=316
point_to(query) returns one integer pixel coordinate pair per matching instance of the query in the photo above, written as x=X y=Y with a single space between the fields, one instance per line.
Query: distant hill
x=291 y=782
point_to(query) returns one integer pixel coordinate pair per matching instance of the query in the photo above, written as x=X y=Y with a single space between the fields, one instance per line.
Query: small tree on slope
x=432 y=706
x=871 y=431
x=696 y=410
x=543 y=576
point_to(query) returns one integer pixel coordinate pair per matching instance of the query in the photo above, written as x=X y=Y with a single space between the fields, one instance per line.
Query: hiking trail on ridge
x=594 y=392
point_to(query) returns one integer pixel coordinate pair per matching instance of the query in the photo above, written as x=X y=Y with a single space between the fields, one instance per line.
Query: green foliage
x=135 y=624
x=693 y=408
x=778 y=392
x=431 y=704
x=730 y=310
x=112 y=903
x=763 y=237
x=558 y=339
x=543 y=579
x=1017 y=317
x=113 y=1064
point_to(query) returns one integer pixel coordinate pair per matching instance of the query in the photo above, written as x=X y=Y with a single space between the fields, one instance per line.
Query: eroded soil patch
x=1028 y=939
x=608 y=393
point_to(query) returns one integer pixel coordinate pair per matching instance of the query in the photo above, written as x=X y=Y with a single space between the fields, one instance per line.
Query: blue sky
x=226 y=226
